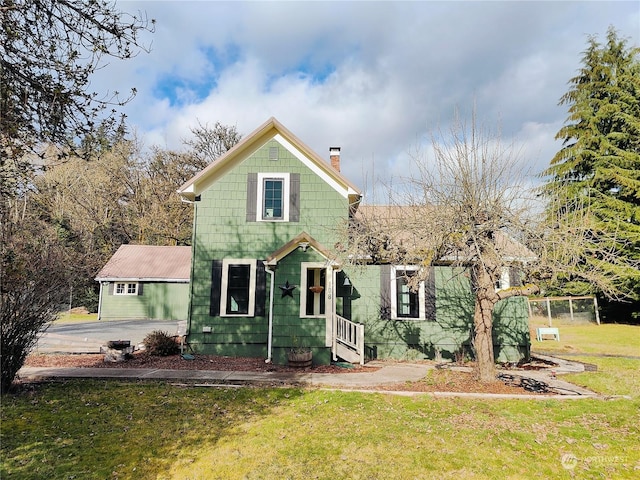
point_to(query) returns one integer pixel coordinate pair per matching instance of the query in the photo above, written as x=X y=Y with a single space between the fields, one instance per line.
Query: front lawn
x=608 y=339
x=614 y=349
x=73 y=317
x=90 y=429
x=109 y=429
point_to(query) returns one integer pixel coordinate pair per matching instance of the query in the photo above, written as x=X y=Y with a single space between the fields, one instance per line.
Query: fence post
x=595 y=306
x=571 y=309
x=549 y=311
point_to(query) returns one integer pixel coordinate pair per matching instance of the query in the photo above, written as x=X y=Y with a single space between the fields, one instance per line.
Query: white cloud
x=371 y=77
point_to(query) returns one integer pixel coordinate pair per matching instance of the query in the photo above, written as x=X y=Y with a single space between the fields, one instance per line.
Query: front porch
x=348 y=340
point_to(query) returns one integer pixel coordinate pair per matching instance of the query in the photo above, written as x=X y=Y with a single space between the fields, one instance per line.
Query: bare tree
x=469 y=204
x=209 y=143
x=35 y=290
x=463 y=207
x=50 y=49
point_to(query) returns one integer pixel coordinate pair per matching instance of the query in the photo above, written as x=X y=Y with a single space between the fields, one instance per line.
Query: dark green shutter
x=385 y=292
x=261 y=289
x=430 y=295
x=294 y=197
x=515 y=277
x=140 y=288
x=216 y=285
x=252 y=197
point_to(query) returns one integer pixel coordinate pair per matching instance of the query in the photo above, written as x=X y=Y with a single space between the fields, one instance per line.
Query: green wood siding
x=222 y=230
x=289 y=328
x=225 y=228
x=158 y=301
x=446 y=336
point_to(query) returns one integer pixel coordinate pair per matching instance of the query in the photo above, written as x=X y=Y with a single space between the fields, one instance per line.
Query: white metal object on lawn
x=540 y=332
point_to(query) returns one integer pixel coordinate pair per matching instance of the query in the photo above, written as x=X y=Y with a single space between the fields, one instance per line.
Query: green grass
x=66 y=317
x=94 y=429
x=610 y=339
x=614 y=349
x=126 y=430
x=615 y=376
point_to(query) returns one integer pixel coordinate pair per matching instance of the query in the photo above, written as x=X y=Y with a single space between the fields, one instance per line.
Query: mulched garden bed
x=175 y=362
x=444 y=379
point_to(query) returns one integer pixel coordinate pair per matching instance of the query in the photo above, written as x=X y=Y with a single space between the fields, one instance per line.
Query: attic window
x=273 y=153
x=273 y=197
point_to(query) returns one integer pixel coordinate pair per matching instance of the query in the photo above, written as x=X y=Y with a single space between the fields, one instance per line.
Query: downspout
x=193 y=261
x=270 y=329
x=100 y=301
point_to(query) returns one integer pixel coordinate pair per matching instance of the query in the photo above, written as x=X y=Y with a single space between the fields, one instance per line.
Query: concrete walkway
x=386 y=375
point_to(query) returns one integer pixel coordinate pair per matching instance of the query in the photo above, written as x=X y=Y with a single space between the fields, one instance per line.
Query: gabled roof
x=304 y=240
x=271 y=129
x=148 y=263
x=405 y=216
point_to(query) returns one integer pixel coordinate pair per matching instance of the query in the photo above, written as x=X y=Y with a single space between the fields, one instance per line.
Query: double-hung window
x=406 y=303
x=273 y=197
x=126 y=289
x=238 y=287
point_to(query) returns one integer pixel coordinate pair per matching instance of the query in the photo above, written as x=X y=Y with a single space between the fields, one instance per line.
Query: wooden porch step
x=347 y=353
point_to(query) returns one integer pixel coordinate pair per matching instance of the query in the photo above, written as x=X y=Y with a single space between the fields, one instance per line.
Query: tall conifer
x=597 y=170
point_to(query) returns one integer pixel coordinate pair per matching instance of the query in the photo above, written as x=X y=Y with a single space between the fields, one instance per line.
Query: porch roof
x=303 y=240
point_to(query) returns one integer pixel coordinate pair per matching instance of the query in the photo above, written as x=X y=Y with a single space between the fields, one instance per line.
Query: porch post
x=334 y=320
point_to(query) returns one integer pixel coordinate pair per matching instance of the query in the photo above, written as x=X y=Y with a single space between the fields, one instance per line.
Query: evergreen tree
x=597 y=170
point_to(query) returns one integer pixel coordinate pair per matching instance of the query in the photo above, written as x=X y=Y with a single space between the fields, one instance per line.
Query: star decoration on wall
x=287 y=290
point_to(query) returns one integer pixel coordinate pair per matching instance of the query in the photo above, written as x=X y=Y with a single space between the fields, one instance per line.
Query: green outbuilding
x=145 y=282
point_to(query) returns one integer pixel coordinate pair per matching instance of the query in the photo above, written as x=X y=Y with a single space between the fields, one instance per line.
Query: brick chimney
x=334 y=156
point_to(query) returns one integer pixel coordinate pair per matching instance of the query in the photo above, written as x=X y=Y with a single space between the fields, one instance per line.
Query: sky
x=374 y=78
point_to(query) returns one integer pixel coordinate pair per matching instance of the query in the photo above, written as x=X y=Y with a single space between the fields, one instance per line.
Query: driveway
x=88 y=337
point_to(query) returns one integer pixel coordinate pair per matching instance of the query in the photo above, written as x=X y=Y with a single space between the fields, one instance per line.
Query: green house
x=144 y=282
x=265 y=276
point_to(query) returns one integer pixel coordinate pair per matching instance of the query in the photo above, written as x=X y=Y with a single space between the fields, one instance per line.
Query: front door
x=316 y=299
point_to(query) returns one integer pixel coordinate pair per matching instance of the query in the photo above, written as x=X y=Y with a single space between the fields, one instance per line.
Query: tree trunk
x=483 y=340
x=485 y=301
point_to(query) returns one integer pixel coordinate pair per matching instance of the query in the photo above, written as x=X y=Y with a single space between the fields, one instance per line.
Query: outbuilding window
x=130 y=288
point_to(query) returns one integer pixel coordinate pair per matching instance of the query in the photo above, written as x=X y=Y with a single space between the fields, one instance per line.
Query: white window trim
x=285 y=196
x=126 y=288
x=505 y=279
x=394 y=293
x=304 y=288
x=225 y=282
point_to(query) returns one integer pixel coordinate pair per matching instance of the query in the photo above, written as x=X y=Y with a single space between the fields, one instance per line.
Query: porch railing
x=351 y=335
